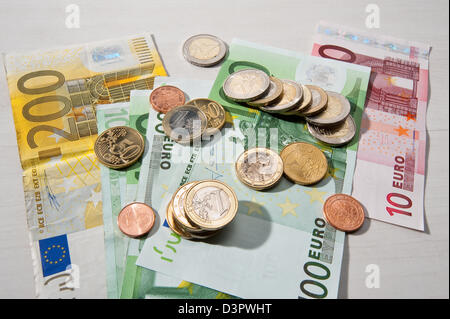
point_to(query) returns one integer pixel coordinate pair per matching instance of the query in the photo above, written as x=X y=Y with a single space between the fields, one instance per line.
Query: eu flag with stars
x=55 y=256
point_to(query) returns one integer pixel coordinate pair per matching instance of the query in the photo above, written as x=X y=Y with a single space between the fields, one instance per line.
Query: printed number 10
x=406 y=205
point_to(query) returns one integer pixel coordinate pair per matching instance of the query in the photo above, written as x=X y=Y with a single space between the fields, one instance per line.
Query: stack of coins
x=199 y=210
x=194 y=119
x=327 y=113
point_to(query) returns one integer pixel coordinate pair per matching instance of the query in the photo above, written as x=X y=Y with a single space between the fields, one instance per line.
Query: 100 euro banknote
x=54 y=94
x=149 y=183
x=279 y=245
x=392 y=150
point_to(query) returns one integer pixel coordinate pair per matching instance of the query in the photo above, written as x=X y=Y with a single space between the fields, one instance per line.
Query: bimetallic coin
x=173 y=225
x=304 y=163
x=291 y=96
x=215 y=114
x=318 y=103
x=119 y=147
x=246 y=85
x=304 y=104
x=273 y=93
x=343 y=212
x=204 y=50
x=185 y=123
x=136 y=219
x=178 y=201
x=259 y=168
x=336 y=135
x=211 y=204
x=338 y=108
x=166 y=97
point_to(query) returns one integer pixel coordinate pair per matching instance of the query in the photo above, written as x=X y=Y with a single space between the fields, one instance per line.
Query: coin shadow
x=245 y=231
x=284 y=184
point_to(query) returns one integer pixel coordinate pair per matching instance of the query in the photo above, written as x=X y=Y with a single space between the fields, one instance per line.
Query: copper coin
x=343 y=212
x=136 y=219
x=166 y=97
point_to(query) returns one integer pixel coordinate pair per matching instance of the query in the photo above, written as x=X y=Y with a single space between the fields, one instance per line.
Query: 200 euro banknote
x=54 y=94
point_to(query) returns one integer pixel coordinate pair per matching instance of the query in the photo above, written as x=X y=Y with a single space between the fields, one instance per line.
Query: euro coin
x=338 y=135
x=119 y=147
x=185 y=123
x=273 y=93
x=259 y=168
x=343 y=212
x=318 y=102
x=172 y=224
x=304 y=104
x=338 y=108
x=204 y=50
x=136 y=219
x=178 y=201
x=166 y=97
x=215 y=114
x=304 y=163
x=246 y=85
x=291 y=96
x=211 y=205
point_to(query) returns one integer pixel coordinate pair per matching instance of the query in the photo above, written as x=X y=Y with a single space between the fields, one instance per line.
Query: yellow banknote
x=54 y=94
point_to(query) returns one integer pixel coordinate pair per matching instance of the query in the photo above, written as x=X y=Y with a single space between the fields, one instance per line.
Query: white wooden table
x=412 y=264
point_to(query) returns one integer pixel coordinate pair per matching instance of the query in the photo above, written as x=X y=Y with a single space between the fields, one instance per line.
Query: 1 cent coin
x=136 y=219
x=166 y=97
x=343 y=212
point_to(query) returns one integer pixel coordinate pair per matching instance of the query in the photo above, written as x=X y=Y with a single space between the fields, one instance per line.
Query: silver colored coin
x=185 y=123
x=338 y=108
x=338 y=135
x=291 y=96
x=204 y=50
x=246 y=85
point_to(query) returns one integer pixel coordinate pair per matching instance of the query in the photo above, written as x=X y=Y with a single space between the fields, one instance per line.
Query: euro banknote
x=154 y=175
x=54 y=94
x=279 y=245
x=392 y=150
x=114 y=190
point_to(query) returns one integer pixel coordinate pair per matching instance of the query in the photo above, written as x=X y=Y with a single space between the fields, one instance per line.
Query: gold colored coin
x=304 y=163
x=170 y=220
x=259 y=168
x=215 y=114
x=119 y=147
x=178 y=201
x=319 y=100
x=211 y=204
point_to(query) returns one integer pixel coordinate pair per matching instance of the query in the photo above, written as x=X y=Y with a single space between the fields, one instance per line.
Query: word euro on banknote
x=279 y=245
x=392 y=149
x=157 y=168
x=54 y=94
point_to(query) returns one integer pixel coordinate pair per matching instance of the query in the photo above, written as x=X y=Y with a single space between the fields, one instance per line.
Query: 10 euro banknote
x=390 y=172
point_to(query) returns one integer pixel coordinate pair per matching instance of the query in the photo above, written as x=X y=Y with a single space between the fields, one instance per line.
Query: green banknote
x=149 y=184
x=114 y=190
x=279 y=245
